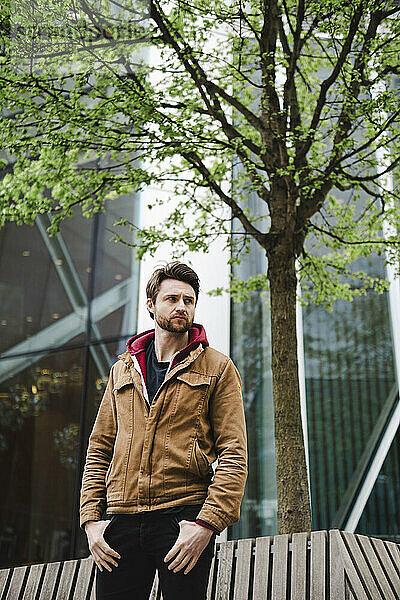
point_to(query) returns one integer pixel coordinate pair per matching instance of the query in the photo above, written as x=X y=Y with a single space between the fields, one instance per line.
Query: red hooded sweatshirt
x=138 y=343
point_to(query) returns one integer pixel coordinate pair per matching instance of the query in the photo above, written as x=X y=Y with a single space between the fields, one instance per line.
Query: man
x=172 y=406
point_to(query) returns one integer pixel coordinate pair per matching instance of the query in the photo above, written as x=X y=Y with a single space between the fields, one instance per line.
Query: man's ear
x=150 y=306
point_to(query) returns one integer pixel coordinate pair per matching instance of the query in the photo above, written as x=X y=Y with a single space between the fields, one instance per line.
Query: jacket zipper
x=140 y=392
x=159 y=389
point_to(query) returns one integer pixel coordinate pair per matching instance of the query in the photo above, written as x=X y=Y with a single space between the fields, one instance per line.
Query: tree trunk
x=294 y=513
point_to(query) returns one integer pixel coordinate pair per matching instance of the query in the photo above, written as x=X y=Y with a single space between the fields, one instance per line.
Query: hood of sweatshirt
x=138 y=343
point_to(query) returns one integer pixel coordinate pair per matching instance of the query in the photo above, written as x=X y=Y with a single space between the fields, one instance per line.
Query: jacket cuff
x=89 y=516
x=214 y=516
x=207 y=525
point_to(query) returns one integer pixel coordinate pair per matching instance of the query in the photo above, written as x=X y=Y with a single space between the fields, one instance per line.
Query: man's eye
x=188 y=301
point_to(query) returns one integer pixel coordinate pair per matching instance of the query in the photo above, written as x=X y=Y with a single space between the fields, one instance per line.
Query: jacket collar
x=137 y=348
x=138 y=343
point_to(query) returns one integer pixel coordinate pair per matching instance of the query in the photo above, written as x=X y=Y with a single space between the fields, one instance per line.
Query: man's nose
x=181 y=305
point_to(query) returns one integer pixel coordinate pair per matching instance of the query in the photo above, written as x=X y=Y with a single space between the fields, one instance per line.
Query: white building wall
x=212 y=268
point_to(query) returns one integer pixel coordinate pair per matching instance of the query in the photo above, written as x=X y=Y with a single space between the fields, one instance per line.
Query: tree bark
x=294 y=513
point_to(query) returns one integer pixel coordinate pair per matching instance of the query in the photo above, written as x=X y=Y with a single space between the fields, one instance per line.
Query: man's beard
x=173 y=325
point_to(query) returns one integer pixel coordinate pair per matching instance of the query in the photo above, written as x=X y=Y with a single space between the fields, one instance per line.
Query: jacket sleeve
x=222 y=505
x=98 y=458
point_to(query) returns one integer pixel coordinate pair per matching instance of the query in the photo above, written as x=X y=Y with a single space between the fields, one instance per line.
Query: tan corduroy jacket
x=143 y=458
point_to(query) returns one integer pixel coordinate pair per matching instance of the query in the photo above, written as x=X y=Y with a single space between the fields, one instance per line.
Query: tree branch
x=275 y=154
x=237 y=212
x=308 y=206
x=290 y=100
x=364 y=178
x=204 y=85
x=357 y=243
x=329 y=81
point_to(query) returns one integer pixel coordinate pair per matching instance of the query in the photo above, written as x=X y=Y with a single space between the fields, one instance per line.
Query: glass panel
x=114 y=260
x=78 y=340
x=116 y=273
x=106 y=354
x=111 y=325
x=116 y=348
x=381 y=516
x=251 y=352
x=40 y=412
x=76 y=232
x=32 y=296
x=349 y=373
x=41 y=391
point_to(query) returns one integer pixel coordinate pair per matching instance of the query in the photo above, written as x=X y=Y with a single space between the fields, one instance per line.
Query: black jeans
x=143 y=540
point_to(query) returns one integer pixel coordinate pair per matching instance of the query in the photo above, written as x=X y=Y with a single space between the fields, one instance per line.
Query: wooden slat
x=280 y=567
x=4 y=573
x=349 y=592
x=242 y=573
x=394 y=554
x=66 y=580
x=387 y=563
x=318 y=566
x=32 y=583
x=261 y=568
x=336 y=568
x=362 y=567
x=86 y=567
x=93 y=591
x=16 y=583
x=225 y=565
x=212 y=576
x=376 y=568
x=348 y=565
x=299 y=567
x=49 y=581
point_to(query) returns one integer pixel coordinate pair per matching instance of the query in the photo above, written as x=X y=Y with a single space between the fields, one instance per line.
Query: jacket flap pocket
x=122 y=382
x=194 y=379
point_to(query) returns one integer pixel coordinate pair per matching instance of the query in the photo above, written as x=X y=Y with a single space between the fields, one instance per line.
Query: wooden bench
x=330 y=565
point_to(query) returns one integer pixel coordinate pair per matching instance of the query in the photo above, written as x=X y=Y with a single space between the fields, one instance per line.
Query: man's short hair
x=172 y=270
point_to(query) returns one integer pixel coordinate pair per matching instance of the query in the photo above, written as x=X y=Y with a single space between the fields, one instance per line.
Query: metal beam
x=342 y=517
x=374 y=470
x=17 y=358
x=71 y=282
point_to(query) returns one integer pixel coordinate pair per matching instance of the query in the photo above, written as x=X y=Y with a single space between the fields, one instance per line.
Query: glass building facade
x=351 y=390
x=67 y=305
x=351 y=400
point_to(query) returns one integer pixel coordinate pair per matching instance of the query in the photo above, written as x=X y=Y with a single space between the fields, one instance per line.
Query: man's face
x=174 y=307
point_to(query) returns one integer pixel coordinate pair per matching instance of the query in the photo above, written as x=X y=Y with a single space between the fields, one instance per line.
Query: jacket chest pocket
x=193 y=388
x=123 y=394
x=189 y=405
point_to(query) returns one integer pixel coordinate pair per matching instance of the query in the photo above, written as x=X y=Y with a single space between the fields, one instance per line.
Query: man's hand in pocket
x=103 y=554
